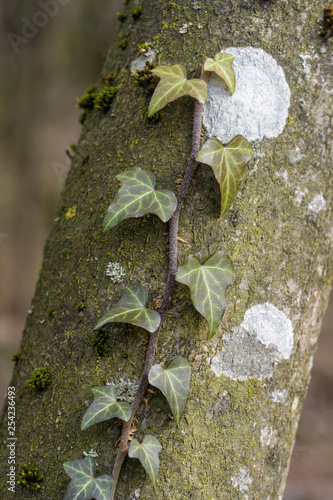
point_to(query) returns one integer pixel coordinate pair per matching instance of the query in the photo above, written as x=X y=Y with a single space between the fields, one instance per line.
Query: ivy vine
x=207 y=281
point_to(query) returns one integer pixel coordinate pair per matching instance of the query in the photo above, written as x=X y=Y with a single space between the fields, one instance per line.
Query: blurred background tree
x=39 y=120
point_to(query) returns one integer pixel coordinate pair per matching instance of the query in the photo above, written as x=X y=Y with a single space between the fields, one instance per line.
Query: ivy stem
x=173 y=234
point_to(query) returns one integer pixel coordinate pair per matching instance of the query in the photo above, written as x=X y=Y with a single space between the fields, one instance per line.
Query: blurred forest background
x=39 y=83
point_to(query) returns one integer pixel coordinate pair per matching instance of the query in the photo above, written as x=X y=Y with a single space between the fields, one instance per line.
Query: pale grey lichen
x=259 y=106
x=141 y=61
x=126 y=388
x=271 y=326
x=279 y=396
x=253 y=350
x=268 y=436
x=243 y=356
x=241 y=480
x=91 y=453
x=295 y=155
x=299 y=194
x=317 y=204
x=115 y=272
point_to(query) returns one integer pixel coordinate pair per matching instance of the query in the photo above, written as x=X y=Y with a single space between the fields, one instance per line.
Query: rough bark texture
x=236 y=436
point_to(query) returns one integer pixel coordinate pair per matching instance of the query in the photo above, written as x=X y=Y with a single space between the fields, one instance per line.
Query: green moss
x=17 y=357
x=66 y=252
x=104 y=98
x=99 y=343
x=121 y=16
x=29 y=477
x=80 y=306
x=87 y=101
x=40 y=379
x=144 y=48
x=123 y=44
x=154 y=118
x=51 y=312
x=146 y=79
x=83 y=116
x=136 y=13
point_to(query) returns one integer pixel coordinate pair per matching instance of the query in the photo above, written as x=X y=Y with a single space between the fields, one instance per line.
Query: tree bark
x=236 y=437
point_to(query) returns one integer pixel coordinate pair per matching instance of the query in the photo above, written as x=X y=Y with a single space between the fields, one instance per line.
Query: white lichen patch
x=91 y=453
x=279 y=396
x=254 y=349
x=317 y=204
x=242 y=480
x=115 y=272
x=126 y=388
x=140 y=61
x=295 y=155
x=259 y=106
x=294 y=406
x=243 y=356
x=184 y=28
x=271 y=326
x=305 y=64
x=299 y=194
x=268 y=436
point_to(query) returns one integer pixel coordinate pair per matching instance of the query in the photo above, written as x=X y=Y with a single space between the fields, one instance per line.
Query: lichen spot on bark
x=253 y=350
x=259 y=106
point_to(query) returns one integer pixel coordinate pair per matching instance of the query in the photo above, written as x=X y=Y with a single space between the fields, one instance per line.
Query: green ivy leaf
x=137 y=196
x=228 y=164
x=105 y=406
x=131 y=309
x=208 y=283
x=173 y=84
x=174 y=383
x=147 y=452
x=222 y=66
x=84 y=486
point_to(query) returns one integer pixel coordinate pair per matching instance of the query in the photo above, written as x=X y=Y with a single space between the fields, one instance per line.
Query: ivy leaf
x=208 y=283
x=84 y=486
x=174 y=383
x=131 y=309
x=147 y=452
x=137 y=196
x=105 y=406
x=228 y=164
x=173 y=84
x=222 y=66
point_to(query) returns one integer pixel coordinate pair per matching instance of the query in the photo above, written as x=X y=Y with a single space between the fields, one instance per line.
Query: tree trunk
x=249 y=381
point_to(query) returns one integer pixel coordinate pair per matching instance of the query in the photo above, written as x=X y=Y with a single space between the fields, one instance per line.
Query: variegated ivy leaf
x=222 y=66
x=174 y=382
x=105 y=406
x=131 y=309
x=208 y=283
x=147 y=452
x=84 y=485
x=173 y=84
x=137 y=196
x=228 y=164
